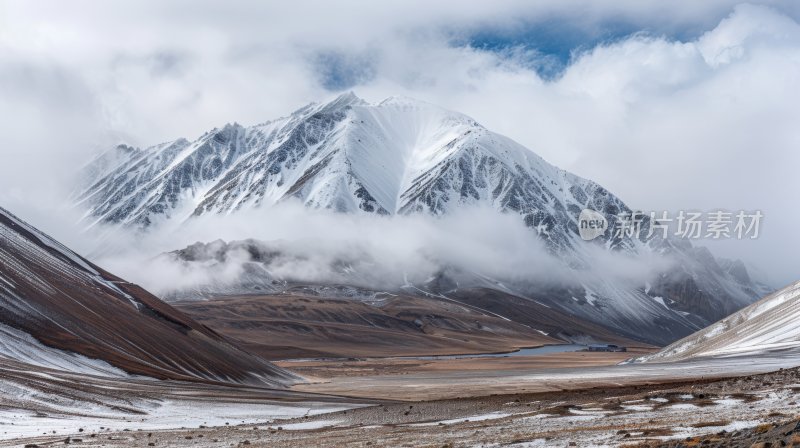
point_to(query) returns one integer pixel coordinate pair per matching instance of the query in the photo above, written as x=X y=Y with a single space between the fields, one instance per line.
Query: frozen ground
x=601 y=406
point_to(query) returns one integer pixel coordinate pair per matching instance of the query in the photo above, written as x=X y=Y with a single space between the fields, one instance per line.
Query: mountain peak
x=403 y=100
x=345 y=99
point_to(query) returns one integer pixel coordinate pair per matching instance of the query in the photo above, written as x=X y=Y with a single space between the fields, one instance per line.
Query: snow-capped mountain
x=771 y=324
x=58 y=310
x=403 y=156
x=399 y=156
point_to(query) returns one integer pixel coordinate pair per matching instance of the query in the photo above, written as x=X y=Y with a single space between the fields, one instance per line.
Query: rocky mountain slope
x=58 y=310
x=403 y=156
x=770 y=325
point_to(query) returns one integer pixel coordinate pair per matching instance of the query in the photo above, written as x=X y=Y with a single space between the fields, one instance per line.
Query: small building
x=607 y=348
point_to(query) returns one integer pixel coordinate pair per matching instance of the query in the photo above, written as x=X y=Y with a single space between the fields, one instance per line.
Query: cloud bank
x=371 y=251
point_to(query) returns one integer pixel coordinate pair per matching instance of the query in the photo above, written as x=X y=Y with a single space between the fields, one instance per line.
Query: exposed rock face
x=65 y=302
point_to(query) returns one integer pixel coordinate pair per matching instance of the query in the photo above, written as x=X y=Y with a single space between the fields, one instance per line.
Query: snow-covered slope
x=403 y=156
x=771 y=324
x=57 y=310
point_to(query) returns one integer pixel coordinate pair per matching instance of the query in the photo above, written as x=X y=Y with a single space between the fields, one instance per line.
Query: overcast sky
x=670 y=105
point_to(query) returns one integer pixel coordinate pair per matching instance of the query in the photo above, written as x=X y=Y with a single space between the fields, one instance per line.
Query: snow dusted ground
x=166 y=414
x=610 y=416
x=624 y=404
x=37 y=400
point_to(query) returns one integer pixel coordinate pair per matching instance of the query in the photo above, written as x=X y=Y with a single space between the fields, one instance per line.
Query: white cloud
x=382 y=252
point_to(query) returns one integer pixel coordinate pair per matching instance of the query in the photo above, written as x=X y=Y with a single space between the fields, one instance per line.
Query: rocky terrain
x=765 y=435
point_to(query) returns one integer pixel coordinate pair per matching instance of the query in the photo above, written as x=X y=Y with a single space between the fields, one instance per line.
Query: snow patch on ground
x=22 y=347
x=472 y=418
x=167 y=414
x=318 y=424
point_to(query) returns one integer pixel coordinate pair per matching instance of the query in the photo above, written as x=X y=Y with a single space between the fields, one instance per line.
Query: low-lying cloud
x=371 y=251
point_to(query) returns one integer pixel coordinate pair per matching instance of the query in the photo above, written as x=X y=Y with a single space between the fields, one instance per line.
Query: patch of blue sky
x=548 y=47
